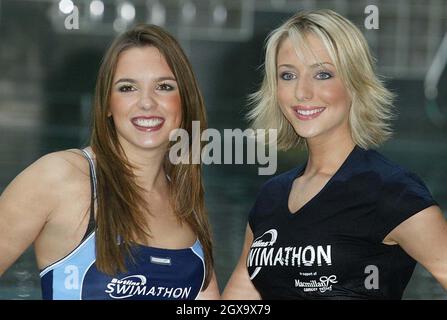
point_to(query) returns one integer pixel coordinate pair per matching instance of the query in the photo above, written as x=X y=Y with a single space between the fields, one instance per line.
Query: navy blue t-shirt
x=332 y=247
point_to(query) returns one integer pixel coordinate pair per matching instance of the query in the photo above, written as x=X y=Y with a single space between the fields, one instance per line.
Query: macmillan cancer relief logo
x=137 y=285
x=323 y=284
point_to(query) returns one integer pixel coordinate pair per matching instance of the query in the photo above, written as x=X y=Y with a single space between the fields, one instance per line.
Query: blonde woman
x=349 y=223
x=117 y=220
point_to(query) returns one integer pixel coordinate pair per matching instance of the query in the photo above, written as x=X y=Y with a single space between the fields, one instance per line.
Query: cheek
x=174 y=105
x=115 y=103
x=335 y=94
x=283 y=94
x=121 y=104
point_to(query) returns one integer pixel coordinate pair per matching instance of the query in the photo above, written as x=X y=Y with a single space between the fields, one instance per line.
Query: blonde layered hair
x=371 y=108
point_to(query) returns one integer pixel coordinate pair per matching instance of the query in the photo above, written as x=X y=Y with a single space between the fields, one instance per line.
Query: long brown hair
x=120 y=204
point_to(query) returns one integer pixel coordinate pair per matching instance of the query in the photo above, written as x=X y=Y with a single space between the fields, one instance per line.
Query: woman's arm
x=424 y=237
x=211 y=292
x=240 y=287
x=25 y=207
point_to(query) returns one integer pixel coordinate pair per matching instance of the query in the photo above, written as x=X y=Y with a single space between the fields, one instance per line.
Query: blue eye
x=287 y=76
x=165 y=87
x=323 y=75
x=126 y=88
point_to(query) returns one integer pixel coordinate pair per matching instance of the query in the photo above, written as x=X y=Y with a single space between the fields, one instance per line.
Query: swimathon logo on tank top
x=136 y=285
x=264 y=253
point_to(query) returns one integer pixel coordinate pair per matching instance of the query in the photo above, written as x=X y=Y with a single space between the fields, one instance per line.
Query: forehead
x=137 y=60
x=308 y=50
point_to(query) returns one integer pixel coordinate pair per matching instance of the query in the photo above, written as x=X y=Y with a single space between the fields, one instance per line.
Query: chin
x=151 y=140
x=307 y=134
x=153 y=145
x=147 y=143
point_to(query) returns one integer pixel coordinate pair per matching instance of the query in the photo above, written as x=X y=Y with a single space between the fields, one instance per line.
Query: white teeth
x=147 y=123
x=309 y=112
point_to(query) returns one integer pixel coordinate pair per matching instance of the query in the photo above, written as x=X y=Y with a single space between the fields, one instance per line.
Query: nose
x=303 y=90
x=147 y=101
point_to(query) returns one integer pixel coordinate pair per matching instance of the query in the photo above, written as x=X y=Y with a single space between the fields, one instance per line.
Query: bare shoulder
x=50 y=173
x=41 y=205
x=59 y=166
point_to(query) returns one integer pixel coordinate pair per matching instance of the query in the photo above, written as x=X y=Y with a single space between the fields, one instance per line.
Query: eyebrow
x=134 y=81
x=318 y=64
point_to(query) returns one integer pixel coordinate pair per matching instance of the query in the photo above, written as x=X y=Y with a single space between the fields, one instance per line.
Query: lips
x=148 y=123
x=307 y=112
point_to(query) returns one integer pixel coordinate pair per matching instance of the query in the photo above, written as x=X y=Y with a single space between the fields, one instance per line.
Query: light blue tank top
x=156 y=274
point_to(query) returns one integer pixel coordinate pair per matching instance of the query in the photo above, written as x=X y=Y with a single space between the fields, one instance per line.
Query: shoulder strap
x=91 y=222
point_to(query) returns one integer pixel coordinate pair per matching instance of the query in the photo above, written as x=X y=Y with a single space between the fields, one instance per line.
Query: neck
x=327 y=155
x=148 y=166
